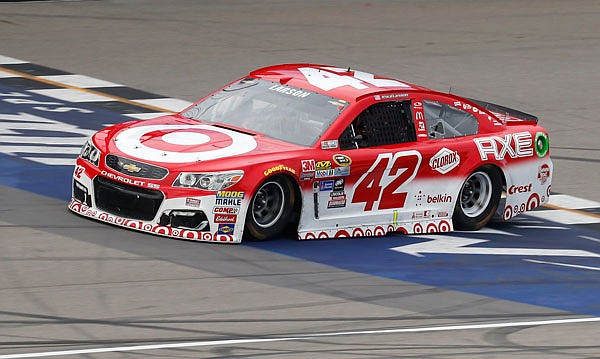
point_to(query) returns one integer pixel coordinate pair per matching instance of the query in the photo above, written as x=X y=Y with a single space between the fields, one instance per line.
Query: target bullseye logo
x=182 y=143
x=186 y=138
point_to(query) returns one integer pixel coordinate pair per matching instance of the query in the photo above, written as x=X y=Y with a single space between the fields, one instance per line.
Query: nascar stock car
x=321 y=151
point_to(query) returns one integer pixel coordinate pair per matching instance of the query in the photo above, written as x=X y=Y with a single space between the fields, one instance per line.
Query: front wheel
x=270 y=209
x=478 y=199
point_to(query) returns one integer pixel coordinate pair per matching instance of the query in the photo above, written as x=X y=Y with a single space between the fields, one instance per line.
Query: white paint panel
x=72 y=95
x=4 y=74
x=5 y=60
x=53 y=161
x=488 y=230
x=76 y=141
x=455 y=245
x=169 y=104
x=80 y=81
x=40 y=149
x=564 y=217
x=146 y=116
x=571 y=202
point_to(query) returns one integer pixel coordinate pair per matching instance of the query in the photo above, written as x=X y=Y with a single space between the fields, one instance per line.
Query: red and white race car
x=322 y=151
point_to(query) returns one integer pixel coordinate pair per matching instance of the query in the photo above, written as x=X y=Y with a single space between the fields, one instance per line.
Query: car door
x=373 y=169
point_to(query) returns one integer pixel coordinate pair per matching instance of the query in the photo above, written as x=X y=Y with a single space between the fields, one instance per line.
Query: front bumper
x=197 y=218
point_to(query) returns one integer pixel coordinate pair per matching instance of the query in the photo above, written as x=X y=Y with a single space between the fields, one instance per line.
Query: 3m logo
x=444 y=161
x=308 y=165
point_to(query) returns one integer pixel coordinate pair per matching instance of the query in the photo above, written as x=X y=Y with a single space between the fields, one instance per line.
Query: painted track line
x=571 y=205
x=590 y=238
x=576 y=211
x=303 y=337
x=84 y=90
x=563 y=264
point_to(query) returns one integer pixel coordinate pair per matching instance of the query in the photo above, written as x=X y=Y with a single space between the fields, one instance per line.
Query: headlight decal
x=90 y=153
x=208 y=181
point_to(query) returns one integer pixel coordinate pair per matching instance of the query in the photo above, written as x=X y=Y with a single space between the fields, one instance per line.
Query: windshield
x=279 y=111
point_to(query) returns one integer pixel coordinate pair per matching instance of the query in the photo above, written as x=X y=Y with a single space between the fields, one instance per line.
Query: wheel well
x=490 y=166
x=500 y=209
x=476 y=214
x=500 y=171
x=297 y=194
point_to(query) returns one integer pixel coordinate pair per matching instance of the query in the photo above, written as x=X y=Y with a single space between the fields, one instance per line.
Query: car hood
x=179 y=141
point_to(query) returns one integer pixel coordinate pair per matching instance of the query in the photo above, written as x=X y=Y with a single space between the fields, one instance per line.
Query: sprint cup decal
x=182 y=143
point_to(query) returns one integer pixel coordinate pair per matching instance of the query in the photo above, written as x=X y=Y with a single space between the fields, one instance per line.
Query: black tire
x=271 y=209
x=478 y=199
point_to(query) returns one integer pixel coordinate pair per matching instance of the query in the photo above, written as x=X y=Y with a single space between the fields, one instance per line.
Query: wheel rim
x=476 y=194
x=267 y=205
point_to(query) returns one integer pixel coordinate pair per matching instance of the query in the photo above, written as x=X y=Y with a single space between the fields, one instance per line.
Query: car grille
x=126 y=201
x=135 y=168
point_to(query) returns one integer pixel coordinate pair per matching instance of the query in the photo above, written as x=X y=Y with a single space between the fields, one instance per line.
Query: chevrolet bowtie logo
x=130 y=167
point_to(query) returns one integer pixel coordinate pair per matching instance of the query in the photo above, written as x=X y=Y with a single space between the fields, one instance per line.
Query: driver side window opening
x=380 y=124
x=445 y=121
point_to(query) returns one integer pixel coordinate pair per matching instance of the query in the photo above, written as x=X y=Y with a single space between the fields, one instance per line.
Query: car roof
x=366 y=83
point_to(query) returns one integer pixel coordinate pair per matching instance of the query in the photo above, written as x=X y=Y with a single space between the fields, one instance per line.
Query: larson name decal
x=289 y=91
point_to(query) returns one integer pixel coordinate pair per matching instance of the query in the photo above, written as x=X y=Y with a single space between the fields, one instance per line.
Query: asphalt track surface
x=70 y=284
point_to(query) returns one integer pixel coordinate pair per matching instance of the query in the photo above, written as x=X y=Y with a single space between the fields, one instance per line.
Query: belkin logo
x=444 y=161
x=439 y=198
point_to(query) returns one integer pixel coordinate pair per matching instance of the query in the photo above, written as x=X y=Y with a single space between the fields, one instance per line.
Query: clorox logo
x=444 y=161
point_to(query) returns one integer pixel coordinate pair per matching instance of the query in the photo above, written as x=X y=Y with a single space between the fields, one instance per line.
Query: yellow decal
x=279 y=168
x=342 y=160
x=323 y=165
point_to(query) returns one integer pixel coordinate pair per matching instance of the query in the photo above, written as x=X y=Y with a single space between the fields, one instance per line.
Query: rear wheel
x=270 y=209
x=478 y=199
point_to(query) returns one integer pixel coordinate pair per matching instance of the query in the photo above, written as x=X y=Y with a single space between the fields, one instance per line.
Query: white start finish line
x=303 y=337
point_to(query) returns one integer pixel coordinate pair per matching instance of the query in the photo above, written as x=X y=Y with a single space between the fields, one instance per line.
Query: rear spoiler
x=506 y=114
